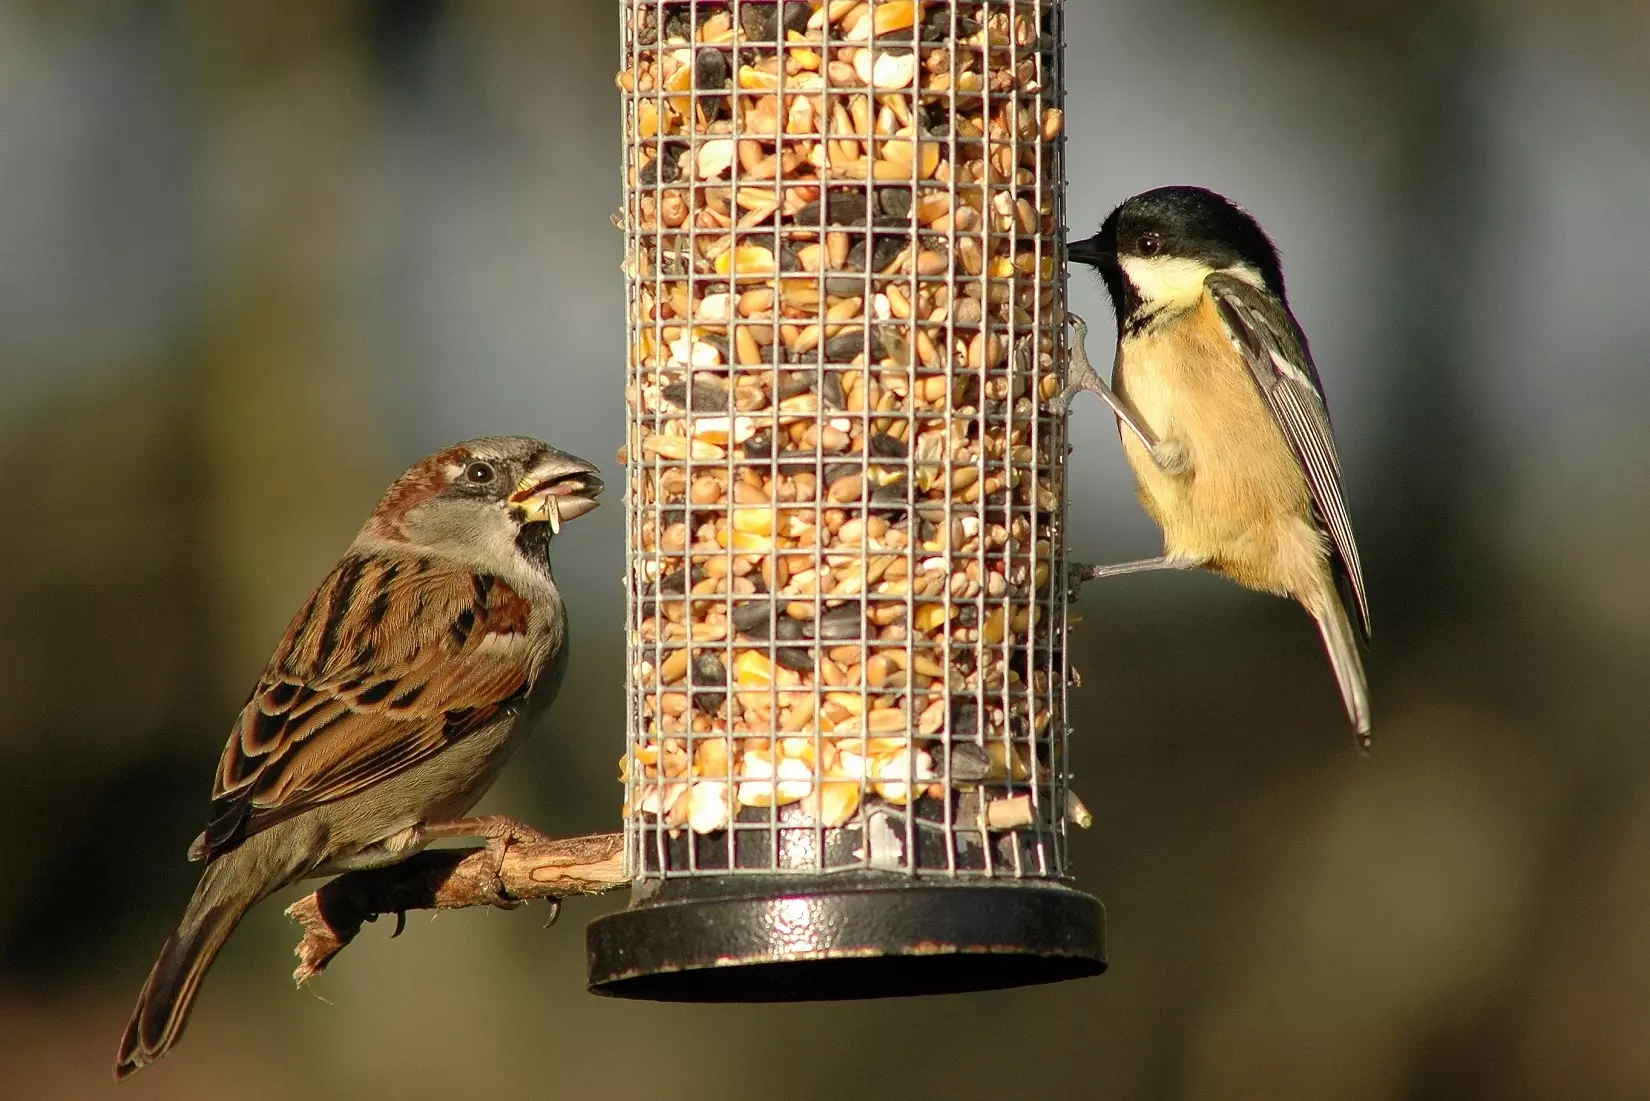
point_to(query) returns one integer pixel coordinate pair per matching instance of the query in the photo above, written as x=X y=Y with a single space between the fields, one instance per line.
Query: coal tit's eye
x=1150 y=244
x=478 y=473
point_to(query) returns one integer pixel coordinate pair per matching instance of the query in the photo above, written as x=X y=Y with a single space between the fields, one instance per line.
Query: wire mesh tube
x=845 y=497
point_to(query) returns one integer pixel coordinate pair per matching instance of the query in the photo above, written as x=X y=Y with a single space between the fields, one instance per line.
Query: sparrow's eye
x=478 y=473
x=1150 y=244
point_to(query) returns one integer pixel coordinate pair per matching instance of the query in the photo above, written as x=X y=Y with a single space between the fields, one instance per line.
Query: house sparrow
x=1222 y=414
x=394 y=698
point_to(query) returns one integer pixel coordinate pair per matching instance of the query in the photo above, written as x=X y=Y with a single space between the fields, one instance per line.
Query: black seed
x=752 y=618
x=844 y=285
x=841 y=623
x=841 y=209
x=711 y=71
x=888 y=447
x=794 y=659
x=661 y=170
x=840 y=470
x=789 y=630
x=894 y=494
x=934 y=120
x=937 y=26
x=830 y=391
x=893 y=206
x=759 y=446
x=759 y=22
x=843 y=347
x=706 y=396
x=886 y=252
x=969 y=761
x=759 y=19
x=793 y=385
x=708 y=671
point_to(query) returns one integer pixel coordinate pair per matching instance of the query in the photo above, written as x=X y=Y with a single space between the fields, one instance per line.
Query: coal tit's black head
x=1156 y=249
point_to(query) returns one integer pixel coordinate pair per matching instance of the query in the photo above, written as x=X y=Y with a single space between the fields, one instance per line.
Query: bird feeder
x=845 y=772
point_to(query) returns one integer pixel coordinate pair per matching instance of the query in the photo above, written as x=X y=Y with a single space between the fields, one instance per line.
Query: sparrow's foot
x=500 y=831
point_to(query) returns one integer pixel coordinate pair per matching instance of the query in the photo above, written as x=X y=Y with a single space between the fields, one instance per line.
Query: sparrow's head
x=1156 y=250
x=486 y=501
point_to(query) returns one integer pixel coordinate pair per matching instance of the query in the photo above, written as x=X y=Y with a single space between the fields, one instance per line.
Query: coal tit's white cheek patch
x=1165 y=281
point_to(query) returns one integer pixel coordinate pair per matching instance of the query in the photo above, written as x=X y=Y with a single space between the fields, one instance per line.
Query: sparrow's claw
x=491 y=883
x=555 y=912
x=500 y=832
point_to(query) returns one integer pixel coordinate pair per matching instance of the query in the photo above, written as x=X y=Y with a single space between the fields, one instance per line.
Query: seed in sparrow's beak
x=557 y=500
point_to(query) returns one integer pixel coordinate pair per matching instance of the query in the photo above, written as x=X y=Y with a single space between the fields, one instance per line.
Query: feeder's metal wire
x=679 y=218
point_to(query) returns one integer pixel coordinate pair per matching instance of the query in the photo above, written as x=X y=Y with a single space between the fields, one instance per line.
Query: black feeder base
x=848 y=935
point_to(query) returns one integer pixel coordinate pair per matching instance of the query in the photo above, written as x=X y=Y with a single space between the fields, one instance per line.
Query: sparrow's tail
x=1341 y=640
x=229 y=887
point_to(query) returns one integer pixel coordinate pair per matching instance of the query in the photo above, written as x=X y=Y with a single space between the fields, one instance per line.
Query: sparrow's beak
x=559 y=488
x=1091 y=250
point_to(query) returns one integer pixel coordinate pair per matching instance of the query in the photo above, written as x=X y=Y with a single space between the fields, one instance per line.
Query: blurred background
x=255 y=258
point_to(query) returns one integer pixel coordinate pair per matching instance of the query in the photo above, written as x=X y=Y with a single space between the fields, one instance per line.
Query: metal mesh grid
x=845 y=498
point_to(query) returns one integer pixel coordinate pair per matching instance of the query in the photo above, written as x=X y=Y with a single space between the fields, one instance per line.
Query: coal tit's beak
x=1094 y=251
x=559 y=488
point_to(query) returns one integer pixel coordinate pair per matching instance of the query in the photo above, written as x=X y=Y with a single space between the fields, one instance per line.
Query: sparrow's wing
x=1278 y=357
x=390 y=662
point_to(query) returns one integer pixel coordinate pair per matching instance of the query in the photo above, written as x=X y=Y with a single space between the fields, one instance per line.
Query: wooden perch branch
x=446 y=879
